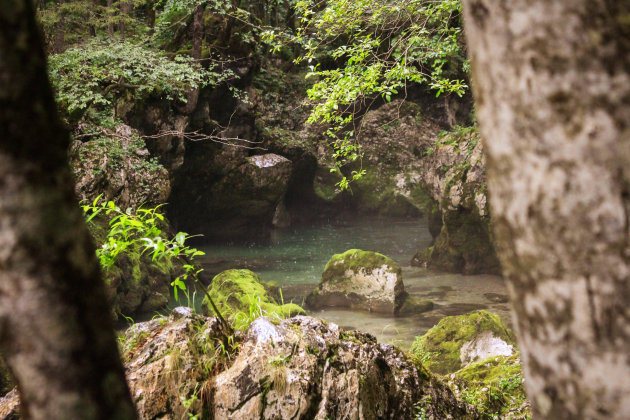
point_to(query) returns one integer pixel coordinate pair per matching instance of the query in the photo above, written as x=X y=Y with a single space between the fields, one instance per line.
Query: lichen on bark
x=552 y=87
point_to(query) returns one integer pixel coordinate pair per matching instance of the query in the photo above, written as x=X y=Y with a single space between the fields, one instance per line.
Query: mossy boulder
x=360 y=280
x=494 y=386
x=457 y=341
x=242 y=296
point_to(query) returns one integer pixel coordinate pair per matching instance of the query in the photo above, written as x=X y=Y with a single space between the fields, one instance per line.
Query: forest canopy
x=354 y=54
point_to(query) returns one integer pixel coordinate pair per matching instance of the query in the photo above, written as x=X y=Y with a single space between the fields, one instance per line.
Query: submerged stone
x=413 y=305
x=360 y=280
x=496 y=297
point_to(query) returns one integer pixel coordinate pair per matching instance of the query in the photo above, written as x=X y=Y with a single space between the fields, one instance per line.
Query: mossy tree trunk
x=552 y=90
x=56 y=332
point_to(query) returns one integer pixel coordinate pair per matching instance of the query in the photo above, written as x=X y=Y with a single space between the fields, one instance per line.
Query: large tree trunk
x=150 y=9
x=110 y=16
x=126 y=7
x=551 y=80
x=58 y=44
x=56 y=330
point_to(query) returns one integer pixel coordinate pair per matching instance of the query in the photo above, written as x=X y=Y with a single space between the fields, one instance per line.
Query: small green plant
x=138 y=232
x=421 y=408
x=189 y=402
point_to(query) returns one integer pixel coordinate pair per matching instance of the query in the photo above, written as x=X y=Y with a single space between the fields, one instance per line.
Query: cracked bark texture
x=551 y=81
x=56 y=333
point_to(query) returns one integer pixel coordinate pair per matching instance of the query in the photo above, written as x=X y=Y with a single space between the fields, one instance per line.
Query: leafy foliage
x=139 y=231
x=359 y=51
x=96 y=72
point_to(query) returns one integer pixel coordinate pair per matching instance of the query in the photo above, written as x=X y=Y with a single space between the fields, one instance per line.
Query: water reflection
x=295 y=259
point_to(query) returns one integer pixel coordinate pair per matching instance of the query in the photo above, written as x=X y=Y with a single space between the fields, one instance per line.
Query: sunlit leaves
x=378 y=47
x=138 y=232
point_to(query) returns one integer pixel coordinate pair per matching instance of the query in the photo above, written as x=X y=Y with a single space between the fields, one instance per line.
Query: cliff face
x=453 y=176
x=254 y=165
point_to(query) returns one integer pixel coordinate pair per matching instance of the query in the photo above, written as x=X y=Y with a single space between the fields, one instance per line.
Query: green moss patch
x=439 y=349
x=494 y=386
x=355 y=260
x=242 y=296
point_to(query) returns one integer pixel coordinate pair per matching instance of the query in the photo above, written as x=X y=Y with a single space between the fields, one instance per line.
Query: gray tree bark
x=56 y=332
x=551 y=80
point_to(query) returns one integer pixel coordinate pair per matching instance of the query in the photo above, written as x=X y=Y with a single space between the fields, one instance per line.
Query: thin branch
x=187 y=135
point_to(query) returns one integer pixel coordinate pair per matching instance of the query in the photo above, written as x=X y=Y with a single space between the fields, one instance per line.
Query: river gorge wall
x=260 y=167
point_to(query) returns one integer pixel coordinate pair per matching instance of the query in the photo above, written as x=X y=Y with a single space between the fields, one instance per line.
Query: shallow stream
x=295 y=259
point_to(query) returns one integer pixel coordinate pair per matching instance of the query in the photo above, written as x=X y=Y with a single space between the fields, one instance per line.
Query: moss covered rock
x=360 y=280
x=494 y=386
x=305 y=368
x=242 y=296
x=118 y=166
x=453 y=176
x=457 y=341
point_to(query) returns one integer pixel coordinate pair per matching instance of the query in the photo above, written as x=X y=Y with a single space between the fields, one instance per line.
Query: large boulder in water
x=457 y=341
x=360 y=280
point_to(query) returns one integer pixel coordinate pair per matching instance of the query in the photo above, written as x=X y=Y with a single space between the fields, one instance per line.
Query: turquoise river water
x=295 y=259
